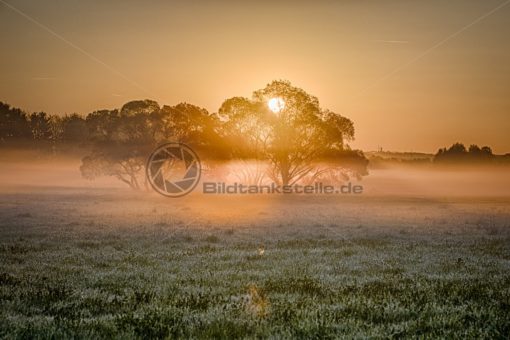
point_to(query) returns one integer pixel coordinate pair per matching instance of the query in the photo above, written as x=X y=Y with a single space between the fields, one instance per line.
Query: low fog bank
x=25 y=171
x=458 y=181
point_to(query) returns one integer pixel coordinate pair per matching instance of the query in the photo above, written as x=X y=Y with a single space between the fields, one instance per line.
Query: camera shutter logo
x=173 y=169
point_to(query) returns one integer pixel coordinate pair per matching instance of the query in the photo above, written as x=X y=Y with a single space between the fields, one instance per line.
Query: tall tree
x=39 y=125
x=14 y=124
x=285 y=125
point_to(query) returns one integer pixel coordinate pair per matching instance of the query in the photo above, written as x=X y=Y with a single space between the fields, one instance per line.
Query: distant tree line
x=459 y=154
x=17 y=126
x=117 y=142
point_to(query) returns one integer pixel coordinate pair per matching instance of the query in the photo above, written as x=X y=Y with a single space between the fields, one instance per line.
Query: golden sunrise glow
x=366 y=72
x=276 y=104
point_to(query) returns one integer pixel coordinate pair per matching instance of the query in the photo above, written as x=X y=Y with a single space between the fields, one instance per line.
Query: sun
x=276 y=104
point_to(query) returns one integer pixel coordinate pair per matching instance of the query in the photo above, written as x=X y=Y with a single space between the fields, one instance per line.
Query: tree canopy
x=294 y=138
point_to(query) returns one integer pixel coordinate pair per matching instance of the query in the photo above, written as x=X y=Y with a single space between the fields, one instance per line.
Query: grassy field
x=109 y=263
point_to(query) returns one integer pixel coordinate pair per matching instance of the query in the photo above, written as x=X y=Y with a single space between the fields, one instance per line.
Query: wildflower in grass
x=261 y=250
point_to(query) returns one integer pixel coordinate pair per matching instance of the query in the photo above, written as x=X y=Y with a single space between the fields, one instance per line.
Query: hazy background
x=203 y=52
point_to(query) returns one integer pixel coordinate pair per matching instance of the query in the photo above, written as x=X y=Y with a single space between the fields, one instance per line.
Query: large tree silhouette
x=293 y=139
x=122 y=139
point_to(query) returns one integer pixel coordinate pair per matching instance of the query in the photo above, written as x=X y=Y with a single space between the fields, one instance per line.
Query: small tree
x=55 y=128
x=124 y=167
x=39 y=125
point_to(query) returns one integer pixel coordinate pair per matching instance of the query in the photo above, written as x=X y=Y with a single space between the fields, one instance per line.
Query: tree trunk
x=285 y=173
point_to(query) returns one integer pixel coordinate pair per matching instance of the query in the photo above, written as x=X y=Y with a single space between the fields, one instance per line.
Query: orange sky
x=361 y=58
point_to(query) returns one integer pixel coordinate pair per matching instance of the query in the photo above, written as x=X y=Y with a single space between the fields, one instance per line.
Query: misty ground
x=421 y=253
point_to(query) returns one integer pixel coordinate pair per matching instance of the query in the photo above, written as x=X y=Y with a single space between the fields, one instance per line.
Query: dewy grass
x=316 y=277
